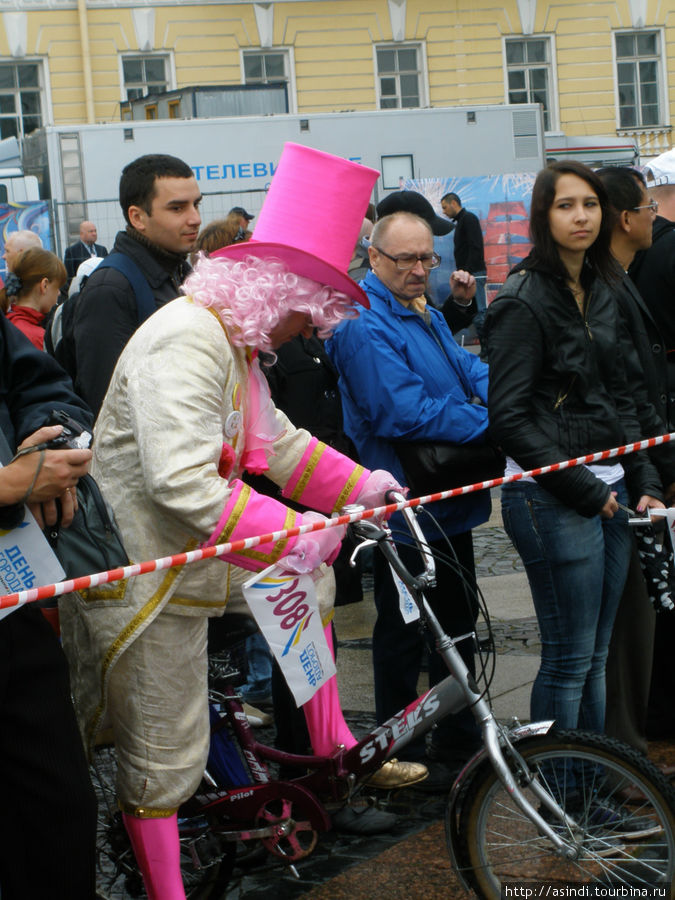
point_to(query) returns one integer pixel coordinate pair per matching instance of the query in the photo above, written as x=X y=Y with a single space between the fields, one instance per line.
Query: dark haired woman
x=557 y=390
x=33 y=289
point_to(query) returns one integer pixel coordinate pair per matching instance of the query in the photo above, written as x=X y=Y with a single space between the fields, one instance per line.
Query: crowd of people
x=242 y=382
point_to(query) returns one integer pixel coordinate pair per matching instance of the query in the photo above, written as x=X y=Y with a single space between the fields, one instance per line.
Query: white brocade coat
x=179 y=392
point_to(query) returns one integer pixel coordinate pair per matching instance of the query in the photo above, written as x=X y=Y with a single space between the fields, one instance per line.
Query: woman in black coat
x=558 y=390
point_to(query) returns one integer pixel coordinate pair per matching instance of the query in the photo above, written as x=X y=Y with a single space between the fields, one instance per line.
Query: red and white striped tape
x=181 y=559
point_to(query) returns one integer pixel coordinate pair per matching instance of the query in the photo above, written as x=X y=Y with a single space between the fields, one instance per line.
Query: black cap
x=240 y=211
x=413 y=202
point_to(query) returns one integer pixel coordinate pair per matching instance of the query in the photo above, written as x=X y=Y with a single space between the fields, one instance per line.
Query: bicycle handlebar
x=429 y=574
x=375 y=534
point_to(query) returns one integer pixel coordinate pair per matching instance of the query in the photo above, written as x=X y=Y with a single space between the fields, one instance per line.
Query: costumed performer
x=187 y=411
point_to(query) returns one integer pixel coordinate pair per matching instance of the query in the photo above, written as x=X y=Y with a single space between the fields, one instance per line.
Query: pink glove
x=377 y=484
x=313 y=548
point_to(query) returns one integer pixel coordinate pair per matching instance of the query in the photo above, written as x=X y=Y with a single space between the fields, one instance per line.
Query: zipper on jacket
x=563 y=396
x=585 y=316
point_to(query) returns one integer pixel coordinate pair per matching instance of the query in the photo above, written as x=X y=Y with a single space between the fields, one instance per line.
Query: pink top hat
x=311 y=217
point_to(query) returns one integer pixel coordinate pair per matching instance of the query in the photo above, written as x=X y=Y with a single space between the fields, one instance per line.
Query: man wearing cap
x=653 y=272
x=188 y=412
x=404 y=378
x=244 y=217
x=459 y=309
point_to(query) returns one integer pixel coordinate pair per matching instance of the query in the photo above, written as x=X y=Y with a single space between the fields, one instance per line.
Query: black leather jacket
x=644 y=352
x=558 y=386
x=653 y=273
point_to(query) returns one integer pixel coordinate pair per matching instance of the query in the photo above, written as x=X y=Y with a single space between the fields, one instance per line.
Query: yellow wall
x=333 y=42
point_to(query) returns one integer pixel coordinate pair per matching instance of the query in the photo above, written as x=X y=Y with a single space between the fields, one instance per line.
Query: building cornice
x=27 y=5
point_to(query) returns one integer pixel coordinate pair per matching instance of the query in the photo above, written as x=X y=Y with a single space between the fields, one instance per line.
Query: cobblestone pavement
x=495 y=555
x=494 y=552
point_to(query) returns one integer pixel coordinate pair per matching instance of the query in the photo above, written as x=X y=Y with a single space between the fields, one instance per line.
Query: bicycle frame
x=285 y=816
x=347 y=770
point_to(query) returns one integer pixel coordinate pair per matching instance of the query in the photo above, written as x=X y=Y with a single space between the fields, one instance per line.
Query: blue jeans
x=577 y=568
x=258 y=686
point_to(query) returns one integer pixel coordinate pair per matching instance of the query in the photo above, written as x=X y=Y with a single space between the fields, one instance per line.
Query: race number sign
x=287 y=612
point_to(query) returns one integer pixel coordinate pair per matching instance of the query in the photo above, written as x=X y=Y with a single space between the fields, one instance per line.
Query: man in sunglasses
x=404 y=378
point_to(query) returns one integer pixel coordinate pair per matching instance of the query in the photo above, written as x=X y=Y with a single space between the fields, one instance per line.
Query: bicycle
x=534 y=804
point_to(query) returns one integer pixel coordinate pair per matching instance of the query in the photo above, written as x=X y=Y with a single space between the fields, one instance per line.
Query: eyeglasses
x=407 y=261
x=653 y=205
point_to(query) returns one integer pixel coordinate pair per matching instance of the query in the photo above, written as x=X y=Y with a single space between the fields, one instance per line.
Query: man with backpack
x=160 y=198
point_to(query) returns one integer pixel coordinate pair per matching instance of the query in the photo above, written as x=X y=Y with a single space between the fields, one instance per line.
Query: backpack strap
x=145 y=299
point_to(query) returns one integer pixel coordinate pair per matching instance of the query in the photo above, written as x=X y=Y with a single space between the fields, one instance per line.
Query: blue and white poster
x=502 y=203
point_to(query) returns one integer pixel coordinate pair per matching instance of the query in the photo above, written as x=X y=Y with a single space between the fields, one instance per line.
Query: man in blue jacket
x=404 y=378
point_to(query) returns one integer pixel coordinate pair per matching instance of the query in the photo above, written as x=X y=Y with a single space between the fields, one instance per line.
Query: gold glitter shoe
x=395 y=774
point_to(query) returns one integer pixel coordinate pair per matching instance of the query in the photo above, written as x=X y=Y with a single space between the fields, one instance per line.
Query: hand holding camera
x=48 y=465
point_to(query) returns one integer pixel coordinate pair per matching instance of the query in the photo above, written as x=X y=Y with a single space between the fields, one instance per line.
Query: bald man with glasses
x=404 y=378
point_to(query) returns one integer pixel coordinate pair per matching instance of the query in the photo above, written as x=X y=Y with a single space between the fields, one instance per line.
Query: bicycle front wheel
x=620 y=829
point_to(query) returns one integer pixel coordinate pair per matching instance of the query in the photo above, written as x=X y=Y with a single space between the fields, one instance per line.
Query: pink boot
x=157 y=850
x=323 y=714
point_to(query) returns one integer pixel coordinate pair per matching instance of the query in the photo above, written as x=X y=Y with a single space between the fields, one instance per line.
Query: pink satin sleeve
x=325 y=479
x=248 y=514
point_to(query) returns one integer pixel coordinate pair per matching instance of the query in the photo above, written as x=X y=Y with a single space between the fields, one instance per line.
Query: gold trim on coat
x=312 y=463
x=125 y=635
x=349 y=487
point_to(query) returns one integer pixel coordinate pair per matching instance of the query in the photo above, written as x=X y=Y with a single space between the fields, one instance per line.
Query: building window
x=638 y=64
x=21 y=98
x=262 y=67
x=144 y=75
x=399 y=71
x=529 y=75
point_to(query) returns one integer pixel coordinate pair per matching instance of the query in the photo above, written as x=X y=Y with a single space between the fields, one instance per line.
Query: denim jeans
x=576 y=568
x=258 y=686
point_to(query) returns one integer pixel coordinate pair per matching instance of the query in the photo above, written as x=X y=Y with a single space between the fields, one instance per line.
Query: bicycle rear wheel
x=205 y=858
x=624 y=810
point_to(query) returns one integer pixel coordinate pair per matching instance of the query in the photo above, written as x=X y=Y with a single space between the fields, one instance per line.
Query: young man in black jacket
x=629 y=663
x=653 y=272
x=48 y=810
x=160 y=198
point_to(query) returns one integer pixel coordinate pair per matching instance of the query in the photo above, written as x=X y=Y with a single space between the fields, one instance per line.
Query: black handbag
x=92 y=542
x=432 y=466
